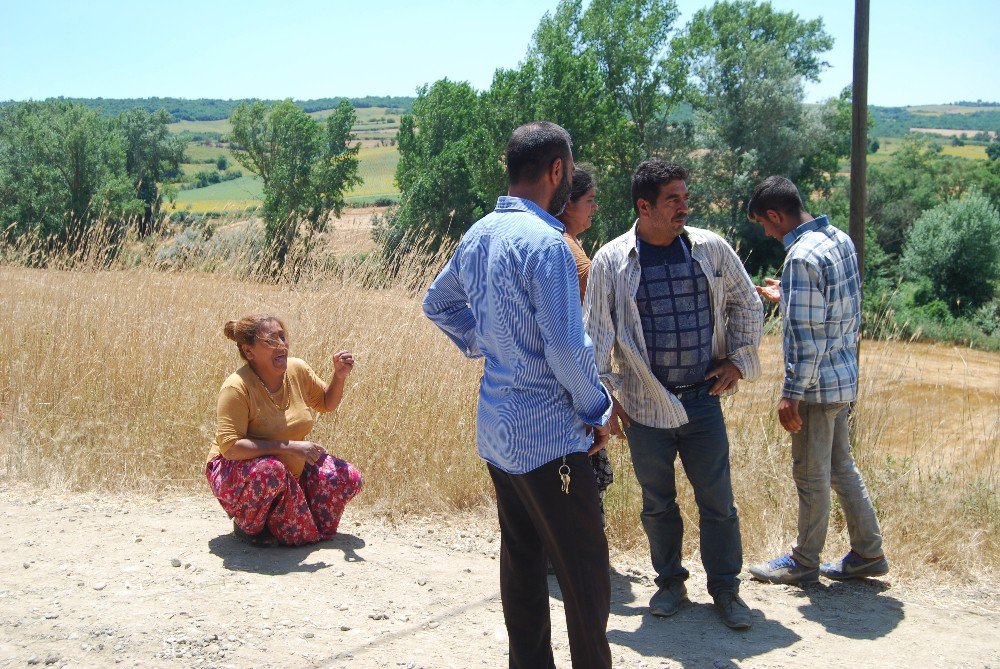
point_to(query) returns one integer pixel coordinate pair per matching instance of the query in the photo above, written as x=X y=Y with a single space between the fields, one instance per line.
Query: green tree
x=987 y=177
x=150 y=153
x=629 y=39
x=913 y=180
x=306 y=168
x=993 y=149
x=747 y=64
x=437 y=170
x=62 y=168
x=954 y=249
x=602 y=74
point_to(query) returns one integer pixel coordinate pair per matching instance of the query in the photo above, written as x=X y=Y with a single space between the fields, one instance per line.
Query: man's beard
x=561 y=196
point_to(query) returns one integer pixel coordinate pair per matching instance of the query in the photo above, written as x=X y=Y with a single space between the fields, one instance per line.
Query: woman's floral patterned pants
x=261 y=493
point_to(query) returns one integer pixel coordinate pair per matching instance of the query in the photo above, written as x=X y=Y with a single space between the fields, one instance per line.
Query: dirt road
x=98 y=582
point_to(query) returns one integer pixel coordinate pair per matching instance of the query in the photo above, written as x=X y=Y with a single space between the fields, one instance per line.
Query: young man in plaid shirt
x=820 y=299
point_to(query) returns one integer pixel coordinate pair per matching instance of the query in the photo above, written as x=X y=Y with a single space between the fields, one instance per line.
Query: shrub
x=987 y=317
x=954 y=251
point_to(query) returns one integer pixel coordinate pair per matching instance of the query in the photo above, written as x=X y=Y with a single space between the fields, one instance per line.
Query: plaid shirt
x=821 y=306
x=611 y=318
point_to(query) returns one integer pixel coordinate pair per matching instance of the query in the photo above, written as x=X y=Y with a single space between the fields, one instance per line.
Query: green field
x=365 y=120
x=220 y=126
x=234 y=195
x=363 y=114
x=377 y=168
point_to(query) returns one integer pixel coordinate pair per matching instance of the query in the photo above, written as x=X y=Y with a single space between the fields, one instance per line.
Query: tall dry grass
x=109 y=376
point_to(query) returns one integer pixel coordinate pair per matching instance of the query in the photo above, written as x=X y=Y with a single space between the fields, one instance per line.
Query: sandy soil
x=90 y=581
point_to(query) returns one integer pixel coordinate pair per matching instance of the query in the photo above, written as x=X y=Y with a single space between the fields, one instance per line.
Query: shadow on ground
x=694 y=637
x=853 y=609
x=238 y=556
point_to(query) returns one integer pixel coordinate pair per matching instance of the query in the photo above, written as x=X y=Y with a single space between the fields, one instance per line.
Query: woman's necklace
x=270 y=395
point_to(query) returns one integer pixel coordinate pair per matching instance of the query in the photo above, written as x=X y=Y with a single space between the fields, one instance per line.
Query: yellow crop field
x=970 y=151
x=950 y=132
x=934 y=110
x=378 y=170
x=889 y=145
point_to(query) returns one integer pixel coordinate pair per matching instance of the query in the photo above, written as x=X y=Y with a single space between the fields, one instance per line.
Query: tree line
x=63 y=167
x=211 y=109
x=71 y=178
x=897 y=121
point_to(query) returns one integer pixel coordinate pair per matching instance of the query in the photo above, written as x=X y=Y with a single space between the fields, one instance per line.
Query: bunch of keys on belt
x=564 y=475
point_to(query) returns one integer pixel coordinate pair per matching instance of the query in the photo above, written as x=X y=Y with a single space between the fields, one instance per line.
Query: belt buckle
x=681 y=392
x=688 y=389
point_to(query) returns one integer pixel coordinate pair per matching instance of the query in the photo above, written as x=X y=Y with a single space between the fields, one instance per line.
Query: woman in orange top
x=577 y=217
x=276 y=486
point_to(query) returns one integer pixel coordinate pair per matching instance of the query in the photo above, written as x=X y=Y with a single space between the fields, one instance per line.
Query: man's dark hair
x=532 y=149
x=650 y=175
x=583 y=181
x=775 y=193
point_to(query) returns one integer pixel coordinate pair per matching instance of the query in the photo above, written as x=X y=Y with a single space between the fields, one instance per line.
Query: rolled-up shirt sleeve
x=314 y=390
x=568 y=350
x=232 y=418
x=744 y=317
x=446 y=304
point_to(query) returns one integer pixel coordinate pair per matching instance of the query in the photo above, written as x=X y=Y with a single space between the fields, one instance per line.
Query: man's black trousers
x=537 y=519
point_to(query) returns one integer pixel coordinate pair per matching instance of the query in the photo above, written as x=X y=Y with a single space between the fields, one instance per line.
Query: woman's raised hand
x=343 y=363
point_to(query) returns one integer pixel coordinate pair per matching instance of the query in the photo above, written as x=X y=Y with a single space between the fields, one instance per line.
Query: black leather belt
x=690 y=386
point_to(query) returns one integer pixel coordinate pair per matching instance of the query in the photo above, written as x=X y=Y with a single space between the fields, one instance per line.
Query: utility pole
x=859 y=139
x=859 y=130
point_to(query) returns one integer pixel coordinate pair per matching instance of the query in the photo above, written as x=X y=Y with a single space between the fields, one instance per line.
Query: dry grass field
x=889 y=146
x=108 y=382
x=949 y=132
x=934 y=110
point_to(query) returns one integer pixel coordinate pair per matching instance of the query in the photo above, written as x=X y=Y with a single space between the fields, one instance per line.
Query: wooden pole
x=859 y=139
x=859 y=130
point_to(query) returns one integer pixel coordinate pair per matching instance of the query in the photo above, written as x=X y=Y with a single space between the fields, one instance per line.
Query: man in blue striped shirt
x=820 y=299
x=510 y=295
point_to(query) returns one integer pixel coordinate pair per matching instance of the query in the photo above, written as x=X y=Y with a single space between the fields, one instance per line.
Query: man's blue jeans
x=704 y=450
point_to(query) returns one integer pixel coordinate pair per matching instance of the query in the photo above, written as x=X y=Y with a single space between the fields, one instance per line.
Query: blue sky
x=921 y=52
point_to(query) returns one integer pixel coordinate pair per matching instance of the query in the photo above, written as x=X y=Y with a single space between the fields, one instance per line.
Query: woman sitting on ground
x=277 y=487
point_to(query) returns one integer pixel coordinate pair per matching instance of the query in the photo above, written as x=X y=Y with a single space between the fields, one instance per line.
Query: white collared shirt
x=611 y=319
